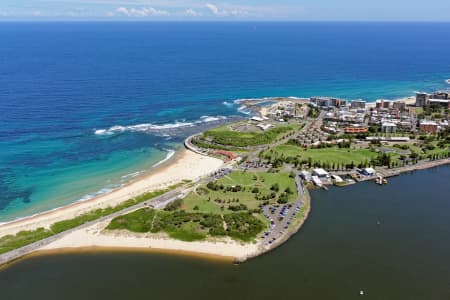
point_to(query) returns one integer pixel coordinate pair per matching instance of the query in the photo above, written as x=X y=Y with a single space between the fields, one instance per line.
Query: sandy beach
x=96 y=236
x=407 y=100
x=185 y=165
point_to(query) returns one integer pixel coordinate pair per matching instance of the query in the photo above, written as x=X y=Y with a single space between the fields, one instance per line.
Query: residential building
x=388 y=127
x=356 y=130
x=443 y=95
x=422 y=99
x=358 y=104
x=427 y=126
x=399 y=105
x=440 y=102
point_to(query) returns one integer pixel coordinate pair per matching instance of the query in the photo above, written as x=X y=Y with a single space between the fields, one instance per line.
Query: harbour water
x=86 y=106
x=388 y=242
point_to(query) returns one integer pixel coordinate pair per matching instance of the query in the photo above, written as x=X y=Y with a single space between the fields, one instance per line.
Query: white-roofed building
x=321 y=173
x=368 y=172
x=337 y=179
x=257 y=119
x=388 y=127
x=264 y=127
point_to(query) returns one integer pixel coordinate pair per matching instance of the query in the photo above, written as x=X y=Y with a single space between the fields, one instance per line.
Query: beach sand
x=185 y=165
x=408 y=101
x=95 y=237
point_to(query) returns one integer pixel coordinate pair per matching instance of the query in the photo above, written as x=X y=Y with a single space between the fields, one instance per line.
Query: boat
x=448 y=81
x=316 y=180
x=381 y=180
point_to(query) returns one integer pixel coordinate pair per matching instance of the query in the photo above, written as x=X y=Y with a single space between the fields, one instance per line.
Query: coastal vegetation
x=189 y=227
x=201 y=143
x=23 y=238
x=224 y=135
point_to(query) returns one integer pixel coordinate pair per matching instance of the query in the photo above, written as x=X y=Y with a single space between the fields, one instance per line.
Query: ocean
x=85 y=107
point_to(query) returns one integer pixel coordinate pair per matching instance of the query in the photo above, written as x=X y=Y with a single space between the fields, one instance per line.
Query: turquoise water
x=84 y=104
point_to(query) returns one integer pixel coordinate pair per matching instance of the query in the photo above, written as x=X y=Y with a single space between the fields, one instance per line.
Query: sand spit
x=96 y=237
x=186 y=165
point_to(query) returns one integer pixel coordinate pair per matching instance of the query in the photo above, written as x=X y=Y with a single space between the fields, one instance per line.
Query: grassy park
x=228 y=206
x=241 y=191
x=323 y=156
x=225 y=135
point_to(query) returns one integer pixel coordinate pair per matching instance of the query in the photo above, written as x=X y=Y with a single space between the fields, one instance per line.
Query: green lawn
x=224 y=135
x=204 y=199
x=333 y=155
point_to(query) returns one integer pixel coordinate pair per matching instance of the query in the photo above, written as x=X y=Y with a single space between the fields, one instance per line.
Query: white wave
x=207 y=119
x=295 y=98
x=169 y=155
x=154 y=128
x=103 y=191
x=146 y=127
x=239 y=101
x=243 y=109
x=131 y=175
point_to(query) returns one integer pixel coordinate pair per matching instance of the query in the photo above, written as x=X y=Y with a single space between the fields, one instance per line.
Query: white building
x=264 y=127
x=368 y=172
x=388 y=127
x=317 y=181
x=321 y=173
x=337 y=179
x=257 y=119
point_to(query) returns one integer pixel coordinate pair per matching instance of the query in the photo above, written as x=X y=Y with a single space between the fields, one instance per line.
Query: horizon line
x=104 y=20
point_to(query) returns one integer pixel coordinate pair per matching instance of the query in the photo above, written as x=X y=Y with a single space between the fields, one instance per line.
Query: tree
x=288 y=191
x=275 y=187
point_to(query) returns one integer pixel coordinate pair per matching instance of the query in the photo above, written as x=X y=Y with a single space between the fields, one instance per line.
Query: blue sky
x=283 y=10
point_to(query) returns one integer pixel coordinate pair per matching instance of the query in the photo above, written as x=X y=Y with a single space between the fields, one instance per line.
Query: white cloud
x=214 y=9
x=141 y=12
x=231 y=11
x=192 y=13
x=170 y=9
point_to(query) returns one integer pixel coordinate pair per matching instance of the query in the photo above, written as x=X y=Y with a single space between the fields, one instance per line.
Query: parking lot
x=280 y=217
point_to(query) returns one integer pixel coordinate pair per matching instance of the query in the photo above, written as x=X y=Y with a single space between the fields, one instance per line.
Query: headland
x=241 y=189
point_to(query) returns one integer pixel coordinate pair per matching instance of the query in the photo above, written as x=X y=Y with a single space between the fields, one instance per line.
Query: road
x=157 y=202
